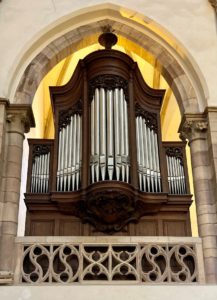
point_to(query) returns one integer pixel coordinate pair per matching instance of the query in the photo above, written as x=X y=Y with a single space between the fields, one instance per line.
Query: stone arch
x=177 y=67
x=180 y=74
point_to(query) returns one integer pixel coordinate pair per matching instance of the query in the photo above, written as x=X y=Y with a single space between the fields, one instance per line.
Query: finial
x=107 y=39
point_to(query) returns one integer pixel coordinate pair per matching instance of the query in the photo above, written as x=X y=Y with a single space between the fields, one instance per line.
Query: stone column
x=3 y=105
x=195 y=129
x=19 y=118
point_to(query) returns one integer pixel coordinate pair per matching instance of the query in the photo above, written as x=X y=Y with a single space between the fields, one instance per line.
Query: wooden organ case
x=107 y=170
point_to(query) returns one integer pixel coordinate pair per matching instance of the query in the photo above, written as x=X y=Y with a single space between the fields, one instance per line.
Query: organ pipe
x=147 y=157
x=117 y=133
x=102 y=135
x=109 y=136
x=176 y=177
x=69 y=155
x=40 y=173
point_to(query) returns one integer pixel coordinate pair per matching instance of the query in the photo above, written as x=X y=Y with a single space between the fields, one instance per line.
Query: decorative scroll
x=150 y=118
x=108 y=82
x=40 y=150
x=137 y=262
x=40 y=169
x=65 y=115
x=109 y=212
x=175 y=168
x=147 y=156
x=175 y=152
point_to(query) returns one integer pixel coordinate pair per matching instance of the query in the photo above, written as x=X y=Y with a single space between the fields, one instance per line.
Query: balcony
x=108 y=260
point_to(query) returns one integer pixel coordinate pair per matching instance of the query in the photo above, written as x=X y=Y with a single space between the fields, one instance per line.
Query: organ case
x=107 y=170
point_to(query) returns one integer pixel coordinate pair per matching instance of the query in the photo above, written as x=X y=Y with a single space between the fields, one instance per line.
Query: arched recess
x=175 y=64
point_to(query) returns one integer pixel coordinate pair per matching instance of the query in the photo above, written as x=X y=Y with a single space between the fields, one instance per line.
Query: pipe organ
x=107 y=170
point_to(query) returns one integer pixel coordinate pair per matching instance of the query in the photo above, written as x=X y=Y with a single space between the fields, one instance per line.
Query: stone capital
x=20 y=117
x=193 y=127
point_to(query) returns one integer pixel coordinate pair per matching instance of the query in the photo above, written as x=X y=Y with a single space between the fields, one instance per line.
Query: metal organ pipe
x=40 y=173
x=157 y=162
x=122 y=133
x=126 y=140
x=96 y=134
x=69 y=155
x=138 y=138
x=176 y=177
x=78 y=152
x=74 y=147
x=109 y=136
x=92 y=160
x=117 y=134
x=147 y=156
x=102 y=136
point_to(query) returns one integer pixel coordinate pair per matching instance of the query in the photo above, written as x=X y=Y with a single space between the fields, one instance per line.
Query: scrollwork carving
x=108 y=212
x=175 y=152
x=65 y=115
x=108 y=82
x=40 y=150
x=150 y=118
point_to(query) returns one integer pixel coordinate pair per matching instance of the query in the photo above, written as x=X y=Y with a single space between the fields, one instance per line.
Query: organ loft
x=107 y=170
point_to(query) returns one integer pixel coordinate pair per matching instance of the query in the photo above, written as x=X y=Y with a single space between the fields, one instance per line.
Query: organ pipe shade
x=69 y=155
x=109 y=136
x=147 y=157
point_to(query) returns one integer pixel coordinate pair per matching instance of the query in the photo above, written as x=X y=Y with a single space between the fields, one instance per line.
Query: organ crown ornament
x=107 y=165
x=107 y=39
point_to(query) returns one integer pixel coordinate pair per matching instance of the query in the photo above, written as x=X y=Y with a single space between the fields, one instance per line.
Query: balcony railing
x=134 y=260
